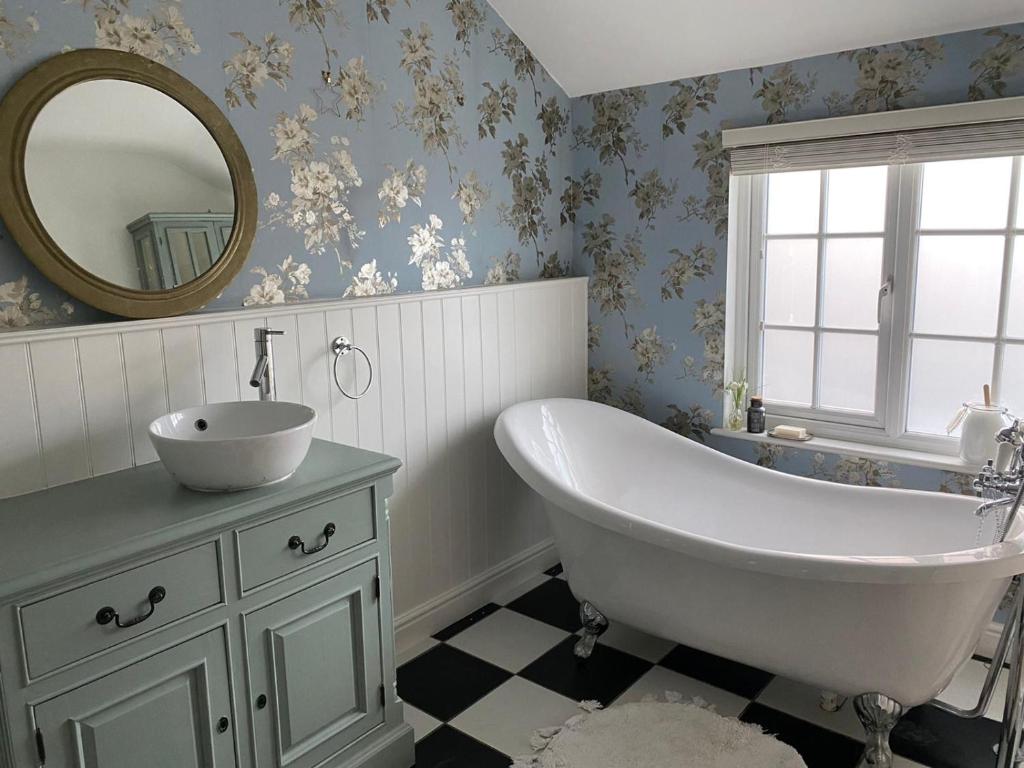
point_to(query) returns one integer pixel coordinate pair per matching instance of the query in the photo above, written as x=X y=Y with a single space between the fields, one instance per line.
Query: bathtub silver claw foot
x=594 y=624
x=831 y=701
x=879 y=715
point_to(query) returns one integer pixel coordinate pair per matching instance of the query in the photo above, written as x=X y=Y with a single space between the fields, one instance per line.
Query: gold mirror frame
x=18 y=111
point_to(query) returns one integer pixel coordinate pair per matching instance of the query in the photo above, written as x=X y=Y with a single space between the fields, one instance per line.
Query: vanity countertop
x=42 y=532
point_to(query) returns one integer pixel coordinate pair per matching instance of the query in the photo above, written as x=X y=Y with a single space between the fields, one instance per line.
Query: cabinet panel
x=162 y=712
x=63 y=628
x=264 y=549
x=316 y=657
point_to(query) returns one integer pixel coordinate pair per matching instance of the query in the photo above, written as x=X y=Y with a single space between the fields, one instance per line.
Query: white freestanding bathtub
x=852 y=590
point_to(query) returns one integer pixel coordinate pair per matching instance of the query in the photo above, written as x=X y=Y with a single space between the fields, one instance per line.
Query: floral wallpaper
x=398 y=145
x=648 y=198
x=406 y=145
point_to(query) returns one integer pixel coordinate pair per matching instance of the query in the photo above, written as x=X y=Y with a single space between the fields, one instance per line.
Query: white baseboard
x=418 y=624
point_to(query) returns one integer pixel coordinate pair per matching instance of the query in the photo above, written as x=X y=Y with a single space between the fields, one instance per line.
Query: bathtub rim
x=992 y=562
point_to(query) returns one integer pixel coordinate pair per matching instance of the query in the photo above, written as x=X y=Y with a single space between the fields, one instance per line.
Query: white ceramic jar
x=978 y=432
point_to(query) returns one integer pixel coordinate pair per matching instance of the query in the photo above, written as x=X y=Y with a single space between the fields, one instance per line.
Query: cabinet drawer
x=64 y=628
x=273 y=549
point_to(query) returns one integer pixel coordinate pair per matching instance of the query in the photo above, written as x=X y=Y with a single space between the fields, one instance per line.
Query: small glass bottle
x=755 y=415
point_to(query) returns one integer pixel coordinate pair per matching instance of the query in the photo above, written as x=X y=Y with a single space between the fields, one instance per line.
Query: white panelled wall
x=76 y=402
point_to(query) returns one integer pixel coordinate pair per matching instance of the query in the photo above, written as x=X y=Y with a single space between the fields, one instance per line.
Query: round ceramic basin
x=233 y=446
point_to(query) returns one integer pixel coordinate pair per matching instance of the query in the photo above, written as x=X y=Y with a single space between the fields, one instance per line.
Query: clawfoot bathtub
x=874 y=593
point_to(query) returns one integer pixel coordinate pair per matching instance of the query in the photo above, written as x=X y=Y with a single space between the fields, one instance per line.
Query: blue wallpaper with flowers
x=434 y=158
x=649 y=202
x=441 y=155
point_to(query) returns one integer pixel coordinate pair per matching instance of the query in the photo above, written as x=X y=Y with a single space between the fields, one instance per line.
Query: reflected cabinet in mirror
x=129 y=188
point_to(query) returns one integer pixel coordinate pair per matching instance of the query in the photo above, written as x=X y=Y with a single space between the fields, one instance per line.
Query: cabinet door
x=162 y=712
x=315 y=656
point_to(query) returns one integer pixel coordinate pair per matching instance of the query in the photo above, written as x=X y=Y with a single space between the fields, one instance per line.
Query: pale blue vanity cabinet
x=172 y=249
x=143 y=624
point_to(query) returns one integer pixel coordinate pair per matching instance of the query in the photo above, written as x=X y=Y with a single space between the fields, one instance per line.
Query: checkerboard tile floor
x=476 y=692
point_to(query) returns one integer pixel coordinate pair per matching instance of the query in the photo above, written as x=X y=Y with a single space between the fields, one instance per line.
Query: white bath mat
x=656 y=734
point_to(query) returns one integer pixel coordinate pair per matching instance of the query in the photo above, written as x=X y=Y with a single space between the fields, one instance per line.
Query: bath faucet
x=263 y=374
x=1005 y=477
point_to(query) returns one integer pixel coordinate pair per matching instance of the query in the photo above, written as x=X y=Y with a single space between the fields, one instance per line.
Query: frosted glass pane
x=793 y=202
x=791 y=275
x=1020 y=204
x=966 y=194
x=788 y=366
x=943 y=374
x=853 y=275
x=1011 y=390
x=856 y=199
x=1015 y=309
x=958 y=279
x=847 y=377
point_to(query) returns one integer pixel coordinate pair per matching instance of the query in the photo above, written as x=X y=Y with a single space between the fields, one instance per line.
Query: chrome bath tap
x=263 y=374
x=1001 y=482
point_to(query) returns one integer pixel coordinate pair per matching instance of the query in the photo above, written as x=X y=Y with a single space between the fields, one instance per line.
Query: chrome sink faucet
x=263 y=374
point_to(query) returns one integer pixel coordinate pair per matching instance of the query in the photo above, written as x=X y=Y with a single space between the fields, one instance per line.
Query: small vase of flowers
x=737 y=389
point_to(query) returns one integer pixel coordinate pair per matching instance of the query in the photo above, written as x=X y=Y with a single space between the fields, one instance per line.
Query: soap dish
x=771 y=433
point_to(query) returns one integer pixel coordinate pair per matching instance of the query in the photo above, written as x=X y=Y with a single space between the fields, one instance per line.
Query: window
x=871 y=299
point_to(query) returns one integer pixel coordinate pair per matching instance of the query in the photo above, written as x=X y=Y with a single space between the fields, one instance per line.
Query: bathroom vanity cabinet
x=146 y=625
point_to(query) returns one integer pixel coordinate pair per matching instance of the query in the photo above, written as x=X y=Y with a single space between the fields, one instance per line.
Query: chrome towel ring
x=341 y=347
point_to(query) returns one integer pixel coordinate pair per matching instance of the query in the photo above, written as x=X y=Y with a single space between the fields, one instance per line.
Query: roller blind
x=956 y=142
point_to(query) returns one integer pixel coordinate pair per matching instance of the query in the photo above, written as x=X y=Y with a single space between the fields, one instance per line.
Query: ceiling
x=589 y=46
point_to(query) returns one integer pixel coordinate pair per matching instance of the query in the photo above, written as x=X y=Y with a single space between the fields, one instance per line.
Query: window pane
x=793 y=202
x=847 y=378
x=958 y=279
x=788 y=366
x=856 y=199
x=966 y=194
x=1011 y=389
x=943 y=374
x=1015 y=309
x=1020 y=204
x=791 y=281
x=853 y=274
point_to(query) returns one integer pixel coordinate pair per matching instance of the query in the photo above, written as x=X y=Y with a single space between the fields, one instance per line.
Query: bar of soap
x=789 y=433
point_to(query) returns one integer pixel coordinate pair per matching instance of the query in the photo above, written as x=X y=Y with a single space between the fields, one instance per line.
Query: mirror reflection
x=129 y=184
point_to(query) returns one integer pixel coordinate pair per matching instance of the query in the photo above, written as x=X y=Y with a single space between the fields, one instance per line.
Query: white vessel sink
x=233 y=446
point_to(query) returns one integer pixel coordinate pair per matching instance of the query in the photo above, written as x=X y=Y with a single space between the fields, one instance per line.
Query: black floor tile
x=932 y=737
x=820 y=748
x=551 y=602
x=444 y=681
x=466 y=622
x=605 y=675
x=554 y=570
x=731 y=675
x=449 y=748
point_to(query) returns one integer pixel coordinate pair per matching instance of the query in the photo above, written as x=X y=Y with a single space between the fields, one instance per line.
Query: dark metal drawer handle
x=107 y=614
x=296 y=542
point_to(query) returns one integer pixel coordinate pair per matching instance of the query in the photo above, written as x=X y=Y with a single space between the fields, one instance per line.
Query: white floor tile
x=902 y=762
x=633 y=641
x=801 y=701
x=966 y=687
x=507 y=717
x=414 y=650
x=508 y=639
x=510 y=594
x=422 y=723
x=658 y=680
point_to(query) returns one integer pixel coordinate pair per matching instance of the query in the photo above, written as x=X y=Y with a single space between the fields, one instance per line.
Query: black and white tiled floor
x=476 y=692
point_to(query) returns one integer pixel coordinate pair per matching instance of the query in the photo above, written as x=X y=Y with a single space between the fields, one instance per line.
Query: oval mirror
x=131 y=190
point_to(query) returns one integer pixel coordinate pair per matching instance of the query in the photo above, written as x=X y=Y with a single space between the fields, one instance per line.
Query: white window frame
x=745 y=274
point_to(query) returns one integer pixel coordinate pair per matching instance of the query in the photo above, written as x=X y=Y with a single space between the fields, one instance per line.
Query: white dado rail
x=77 y=401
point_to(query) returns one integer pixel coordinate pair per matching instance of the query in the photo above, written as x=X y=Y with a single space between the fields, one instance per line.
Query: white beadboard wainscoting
x=77 y=401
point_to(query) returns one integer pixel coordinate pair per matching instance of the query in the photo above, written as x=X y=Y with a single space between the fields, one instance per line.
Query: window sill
x=863 y=450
